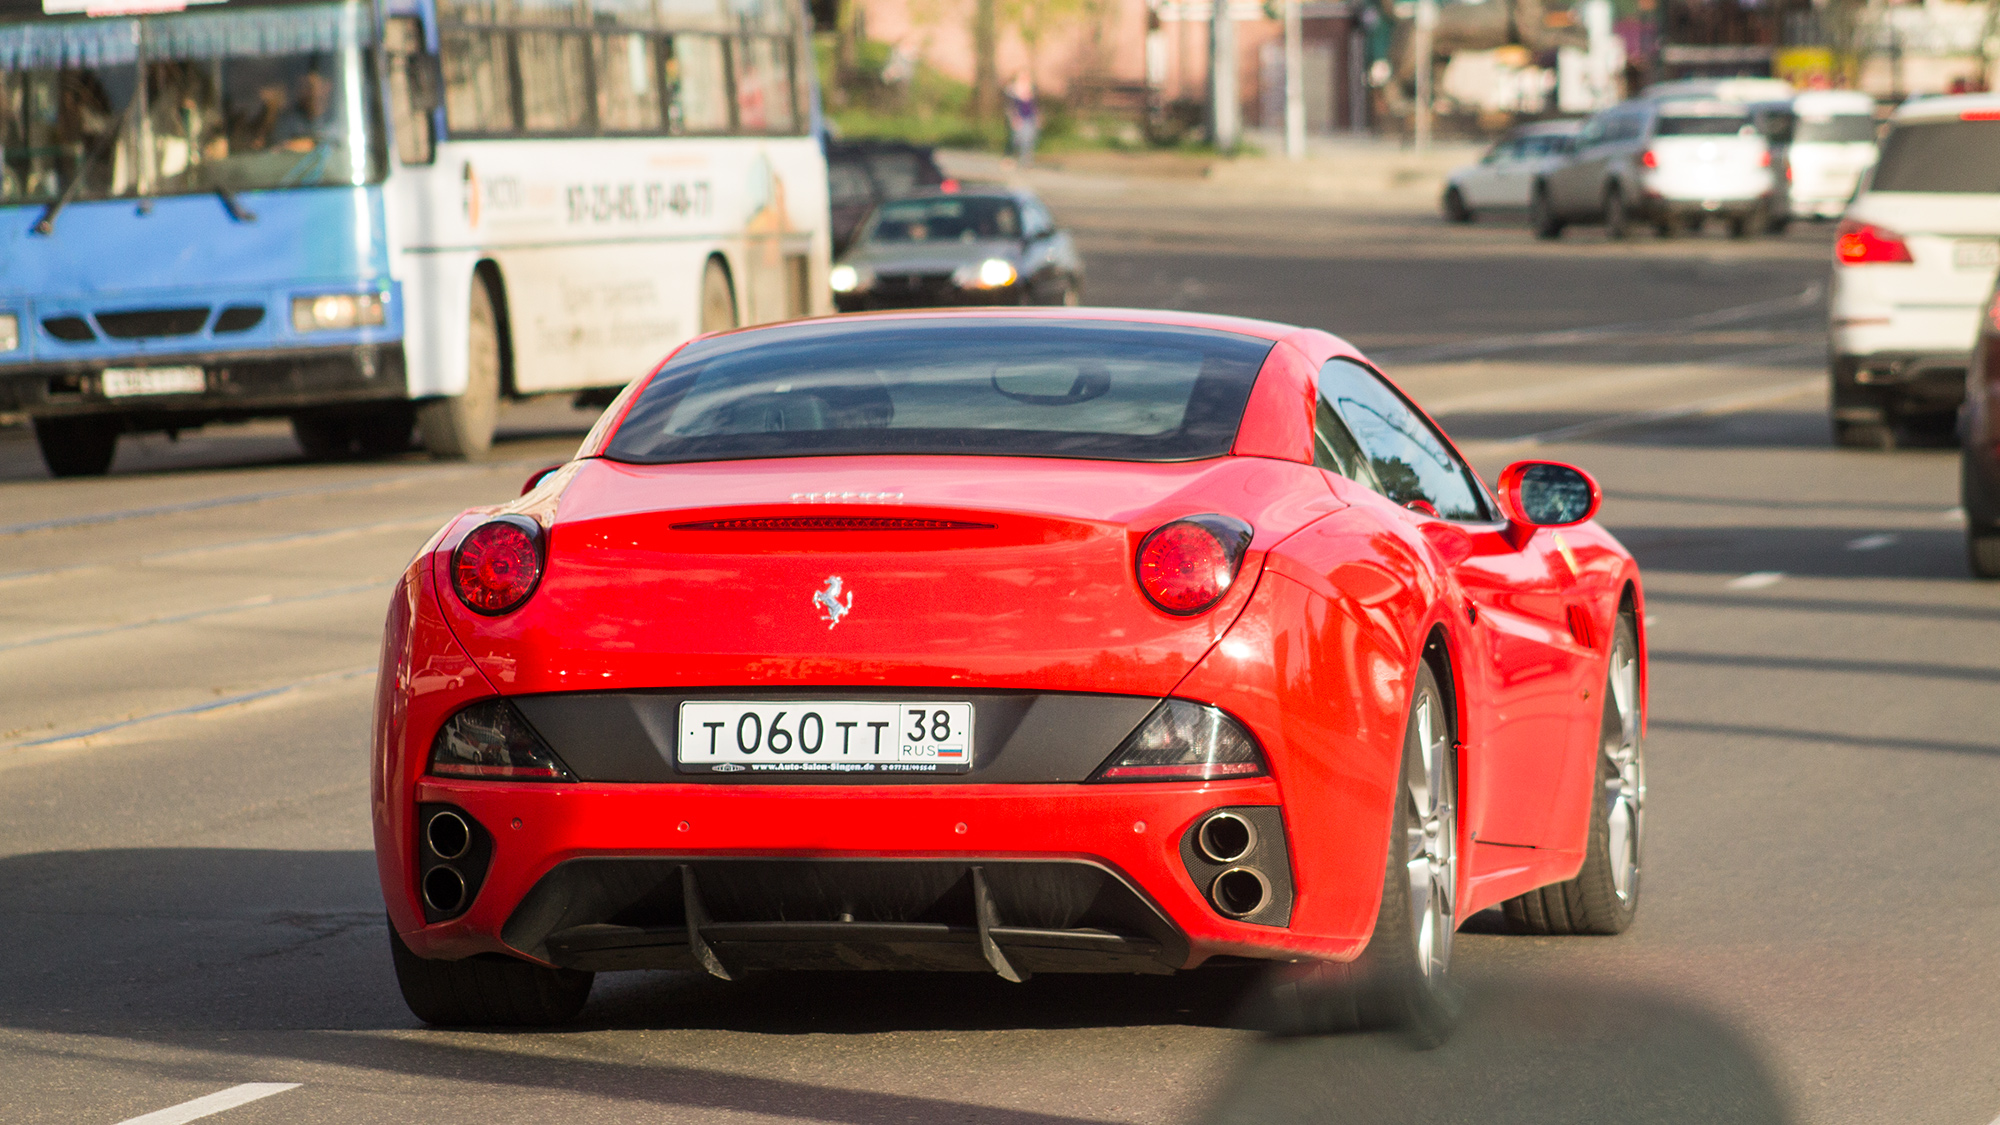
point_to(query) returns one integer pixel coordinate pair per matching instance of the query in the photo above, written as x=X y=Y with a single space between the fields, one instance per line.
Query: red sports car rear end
x=1037 y=642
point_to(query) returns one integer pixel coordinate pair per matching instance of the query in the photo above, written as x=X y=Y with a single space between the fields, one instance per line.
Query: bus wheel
x=460 y=427
x=78 y=447
x=718 y=301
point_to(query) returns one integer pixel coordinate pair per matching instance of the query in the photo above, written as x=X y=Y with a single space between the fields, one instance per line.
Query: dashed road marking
x=1870 y=542
x=211 y=1104
x=1756 y=580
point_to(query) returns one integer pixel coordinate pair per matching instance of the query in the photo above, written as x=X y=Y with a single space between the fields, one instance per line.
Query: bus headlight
x=845 y=279
x=331 y=311
x=993 y=273
x=10 y=332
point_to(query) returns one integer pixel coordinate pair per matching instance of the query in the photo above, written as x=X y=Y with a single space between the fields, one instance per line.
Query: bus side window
x=697 y=85
x=478 y=81
x=413 y=89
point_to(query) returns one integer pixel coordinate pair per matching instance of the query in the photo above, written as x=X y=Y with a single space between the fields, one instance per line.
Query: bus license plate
x=824 y=736
x=120 y=382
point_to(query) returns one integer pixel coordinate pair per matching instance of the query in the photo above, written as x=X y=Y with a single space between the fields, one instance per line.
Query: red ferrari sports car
x=1014 y=641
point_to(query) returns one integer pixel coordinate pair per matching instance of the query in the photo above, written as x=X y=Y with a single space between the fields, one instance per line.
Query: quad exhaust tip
x=444 y=889
x=1226 y=837
x=1238 y=892
x=448 y=835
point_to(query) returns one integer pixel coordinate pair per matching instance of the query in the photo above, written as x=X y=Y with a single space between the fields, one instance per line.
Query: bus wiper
x=230 y=203
x=46 y=225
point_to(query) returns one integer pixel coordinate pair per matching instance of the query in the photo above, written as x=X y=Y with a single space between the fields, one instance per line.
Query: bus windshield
x=245 y=100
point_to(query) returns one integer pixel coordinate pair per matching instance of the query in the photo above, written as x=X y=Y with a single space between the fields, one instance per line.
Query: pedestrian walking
x=1023 y=120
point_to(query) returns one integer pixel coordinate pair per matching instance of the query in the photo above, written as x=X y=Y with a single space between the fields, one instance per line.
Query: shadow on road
x=277 y=960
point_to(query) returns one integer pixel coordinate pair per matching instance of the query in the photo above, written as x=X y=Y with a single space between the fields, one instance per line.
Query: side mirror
x=1547 y=494
x=535 y=478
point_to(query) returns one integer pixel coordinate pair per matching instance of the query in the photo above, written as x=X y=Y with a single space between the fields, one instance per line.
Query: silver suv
x=1673 y=164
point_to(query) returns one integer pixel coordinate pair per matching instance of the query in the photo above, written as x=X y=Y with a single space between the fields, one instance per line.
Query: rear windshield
x=1029 y=388
x=1704 y=126
x=1940 y=156
x=1834 y=130
x=957 y=218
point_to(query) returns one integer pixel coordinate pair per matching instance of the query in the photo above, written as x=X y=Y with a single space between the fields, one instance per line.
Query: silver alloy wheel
x=1625 y=787
x=1432 y=845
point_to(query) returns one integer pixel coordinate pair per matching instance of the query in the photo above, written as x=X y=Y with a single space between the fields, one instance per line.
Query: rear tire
x=78 y=447
x=487 y=991
x=1455 y=209
x=460 y=427
x=1400 y=981
x=1878 y=436
x=718 y=298
x=1603 y=898
x=1542 y=216
x=1617 y=221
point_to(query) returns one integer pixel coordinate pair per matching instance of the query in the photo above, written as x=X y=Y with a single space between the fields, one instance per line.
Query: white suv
x=1914 y=258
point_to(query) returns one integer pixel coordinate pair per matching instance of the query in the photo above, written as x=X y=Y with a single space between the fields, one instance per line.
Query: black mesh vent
x=74 y=329
x=239 y=318
x=136 y=323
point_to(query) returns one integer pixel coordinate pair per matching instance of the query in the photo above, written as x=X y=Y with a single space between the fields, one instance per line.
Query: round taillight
x=498 y=564
x=1186 y=566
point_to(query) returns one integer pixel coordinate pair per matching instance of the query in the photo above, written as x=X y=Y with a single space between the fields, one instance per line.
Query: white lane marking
x=211 y=1104
x=487 y=468
x=1756 y=580
x=320 y=535
x=261 y=601
x=1955 y=515
x=1617 y=380
x=198 y=708
x=1805 y=298
x=1870 y=542
x=1721 y=404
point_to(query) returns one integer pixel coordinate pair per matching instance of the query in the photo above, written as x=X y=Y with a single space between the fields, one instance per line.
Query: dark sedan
x=996 y=247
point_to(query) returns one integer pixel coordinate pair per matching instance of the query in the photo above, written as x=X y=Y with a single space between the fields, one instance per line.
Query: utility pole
x=1295 y=82
x=1427 y=18
x=985 y=69
x=1225 y=113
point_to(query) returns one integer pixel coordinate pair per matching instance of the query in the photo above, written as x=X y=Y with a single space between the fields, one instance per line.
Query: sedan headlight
x=844 y=279
x=332 y=311
x=993 y=273
x=10 y=332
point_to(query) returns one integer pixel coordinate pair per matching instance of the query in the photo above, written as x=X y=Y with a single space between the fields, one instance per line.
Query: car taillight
x=1764 y=159
x=1184 y=741
x=490 y=741
x=498 y=564
x=1858 y=243
x=1649 y=159
x=1186 y=566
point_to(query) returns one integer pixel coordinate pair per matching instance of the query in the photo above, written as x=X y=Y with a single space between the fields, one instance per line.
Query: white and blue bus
x=379 y=218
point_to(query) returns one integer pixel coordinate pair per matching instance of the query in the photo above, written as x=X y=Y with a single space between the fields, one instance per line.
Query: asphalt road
x=186 y=653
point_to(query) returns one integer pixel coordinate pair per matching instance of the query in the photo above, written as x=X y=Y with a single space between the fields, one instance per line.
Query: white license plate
x=1975 y=253
x=824 y=736
x=122 y=381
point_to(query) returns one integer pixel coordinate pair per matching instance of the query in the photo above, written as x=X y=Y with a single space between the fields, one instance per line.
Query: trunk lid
x=911 y=571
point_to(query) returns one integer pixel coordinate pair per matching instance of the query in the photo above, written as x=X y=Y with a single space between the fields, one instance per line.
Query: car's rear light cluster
x=1184 y=741
x=1858 y=243
x=829 y=523
x=490 y=741
x=1186 y=566
x=1649 y=159
x=1764 y=159
x=498 y=564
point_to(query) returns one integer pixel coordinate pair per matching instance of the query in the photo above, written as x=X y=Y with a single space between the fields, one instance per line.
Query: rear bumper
x=1077 y=878
x=1877 y=386
x=237 y=384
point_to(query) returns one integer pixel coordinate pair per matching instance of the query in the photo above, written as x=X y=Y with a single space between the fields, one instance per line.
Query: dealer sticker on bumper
x=824 y=736
x=120 y=382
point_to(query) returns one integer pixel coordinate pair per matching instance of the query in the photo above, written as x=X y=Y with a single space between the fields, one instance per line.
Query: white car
x=1833 y=144
x=1502 y=178
x=1913 y=261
